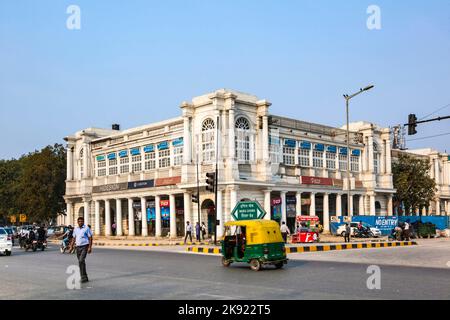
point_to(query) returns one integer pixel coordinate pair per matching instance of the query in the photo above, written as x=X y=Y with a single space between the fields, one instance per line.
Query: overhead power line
x=434 y=112
x=429 y=137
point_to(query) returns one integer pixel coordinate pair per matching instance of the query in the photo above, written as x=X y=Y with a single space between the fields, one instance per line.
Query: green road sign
x=248 y=211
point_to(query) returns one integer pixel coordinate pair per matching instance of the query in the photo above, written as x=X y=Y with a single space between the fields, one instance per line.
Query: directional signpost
x=250 y=210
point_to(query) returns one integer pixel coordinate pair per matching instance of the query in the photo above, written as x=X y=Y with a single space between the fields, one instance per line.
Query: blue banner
x=356 y=152
x=319 y=147
x=100 y=158
x=178 y=142
x=343 y=151
x=112 y=156
x=305 y=145
x=135 y=151
x=163 y=145
x=290 y=143
x=149 y=148
x=123 y=153
x=332 y=149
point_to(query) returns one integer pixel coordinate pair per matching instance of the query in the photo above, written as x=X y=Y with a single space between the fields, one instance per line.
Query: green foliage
x=34 y=184
x=415 y=187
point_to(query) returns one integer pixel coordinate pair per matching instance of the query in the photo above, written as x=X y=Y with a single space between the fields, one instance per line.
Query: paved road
x=139 y=274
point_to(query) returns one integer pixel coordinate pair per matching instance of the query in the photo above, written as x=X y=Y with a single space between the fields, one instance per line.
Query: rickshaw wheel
x=279 y=265
x=225 y=262
x=255 y=265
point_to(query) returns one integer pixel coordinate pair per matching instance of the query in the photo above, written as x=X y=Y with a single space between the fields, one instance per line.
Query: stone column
x=267 y=204
x=437 y=176
x=231 y=140
x=350 y=210
x=86 y=212
x=97 y=218
x=158 y=216
x=326 y=212
x=312 y=208
x=131 y=231
x=187 y=137
x=86 y=156
x=383 y=157
x=424 y=211
x=361 y=205
x=220 y=227
x=371 y=155
x=69 y=163
x=388 y=157
x=119 y=231
x=144 y=217
x=283 y=207
x=298 y=204
x=173 y=217
x=107 y=217
x=390 y=209
x=69 y=213
x=338 y=205
x=265 y=138
x=372 y=206
x=438 y=207
x=187 y=200
x=233 y=198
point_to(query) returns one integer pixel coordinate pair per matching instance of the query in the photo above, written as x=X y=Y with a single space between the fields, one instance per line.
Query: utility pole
x=216 y=180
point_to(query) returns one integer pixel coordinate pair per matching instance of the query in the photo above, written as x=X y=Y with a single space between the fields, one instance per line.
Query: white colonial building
x=440 y=172
x=142 y=179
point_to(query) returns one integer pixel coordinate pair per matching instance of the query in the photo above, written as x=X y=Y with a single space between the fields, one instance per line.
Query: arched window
x=208 y=140
x=376 y=158
x=242 y=139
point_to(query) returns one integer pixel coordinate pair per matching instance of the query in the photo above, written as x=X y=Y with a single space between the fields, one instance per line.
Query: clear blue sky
x=134 y=62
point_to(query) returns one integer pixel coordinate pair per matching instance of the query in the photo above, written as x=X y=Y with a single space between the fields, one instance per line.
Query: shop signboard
x=164 y=203
x=248 y=210
x=316 y=181
x=167 y=181
x=141 y=184
x=276 y=201
x=110 y=187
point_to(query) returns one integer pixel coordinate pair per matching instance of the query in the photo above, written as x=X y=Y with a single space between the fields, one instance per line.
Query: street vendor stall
x=308 y=231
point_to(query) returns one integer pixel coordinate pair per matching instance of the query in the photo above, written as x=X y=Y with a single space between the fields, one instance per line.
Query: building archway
x=377 y=208
x=81 y=212
x=208 y=215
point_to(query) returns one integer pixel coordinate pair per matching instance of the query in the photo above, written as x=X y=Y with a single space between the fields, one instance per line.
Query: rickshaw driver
x=241 y=238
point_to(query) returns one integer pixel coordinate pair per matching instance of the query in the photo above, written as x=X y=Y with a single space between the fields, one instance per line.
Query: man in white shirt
x=284 y=231
x=82 y=238
x=188 y=232
x=406 y=231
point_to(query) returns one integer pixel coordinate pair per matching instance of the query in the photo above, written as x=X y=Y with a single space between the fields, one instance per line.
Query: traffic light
x=195 y=198
x=412 y=119
x=210 y=181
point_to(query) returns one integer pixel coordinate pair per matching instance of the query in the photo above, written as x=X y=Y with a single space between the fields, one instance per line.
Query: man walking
x=82 y=237
x=284 y=231
x=348 y=231
x=188 y=232
x=406 y=231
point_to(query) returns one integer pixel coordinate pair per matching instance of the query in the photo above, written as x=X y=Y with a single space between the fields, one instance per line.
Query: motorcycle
x=41 y=244
x=30 y=244
x=65 y=246
x=363 y=233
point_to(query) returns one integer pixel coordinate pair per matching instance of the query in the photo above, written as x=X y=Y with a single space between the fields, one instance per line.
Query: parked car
x=354 y=225
x=10 y=232
x=5 y=242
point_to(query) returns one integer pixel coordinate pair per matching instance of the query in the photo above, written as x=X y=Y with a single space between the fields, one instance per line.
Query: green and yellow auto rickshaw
x=258 y=242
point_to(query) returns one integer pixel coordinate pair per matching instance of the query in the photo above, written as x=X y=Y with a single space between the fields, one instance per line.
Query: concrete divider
x=319 y=247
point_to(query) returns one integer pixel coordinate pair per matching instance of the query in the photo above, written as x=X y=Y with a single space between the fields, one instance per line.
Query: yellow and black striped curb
x=106 y=244
x=348 y=246
x=319 y=248
x=204 y=250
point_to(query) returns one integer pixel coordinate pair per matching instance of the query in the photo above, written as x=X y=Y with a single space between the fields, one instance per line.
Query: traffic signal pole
x=412 y=124
x=216 y=180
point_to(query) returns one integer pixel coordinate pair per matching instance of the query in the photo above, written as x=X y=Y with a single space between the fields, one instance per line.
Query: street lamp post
x=347 y=99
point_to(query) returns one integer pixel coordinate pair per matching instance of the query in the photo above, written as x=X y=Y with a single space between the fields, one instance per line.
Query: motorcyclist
x=31 y=236
x=67 y=236
x=42 y=233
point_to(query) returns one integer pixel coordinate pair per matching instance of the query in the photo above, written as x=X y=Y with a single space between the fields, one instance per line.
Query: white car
x=5 y=242
x=354 y=225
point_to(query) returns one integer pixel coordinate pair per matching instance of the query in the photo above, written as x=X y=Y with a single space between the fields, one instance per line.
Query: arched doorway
x=208 y=215
x=81 y=212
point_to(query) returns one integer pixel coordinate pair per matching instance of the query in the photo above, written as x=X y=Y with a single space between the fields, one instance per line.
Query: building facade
x=440 y=172
x=142 y=179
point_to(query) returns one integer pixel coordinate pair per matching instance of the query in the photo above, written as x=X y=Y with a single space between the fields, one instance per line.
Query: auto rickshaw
x=257 y=242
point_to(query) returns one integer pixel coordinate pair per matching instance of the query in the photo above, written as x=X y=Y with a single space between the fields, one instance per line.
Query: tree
x=10 y=171
x=41 y=185
x=415 y=187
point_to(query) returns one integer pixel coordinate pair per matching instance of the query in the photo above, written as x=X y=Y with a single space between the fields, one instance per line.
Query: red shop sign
x=164 y=203
x=316 y=181
x=276 y=201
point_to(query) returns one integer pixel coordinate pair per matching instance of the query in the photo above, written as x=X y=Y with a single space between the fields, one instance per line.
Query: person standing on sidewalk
x=348 y=232
x=284 y=231
x=188 y=232
x=203 y=230
x=82 y=237
x=197 y=231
